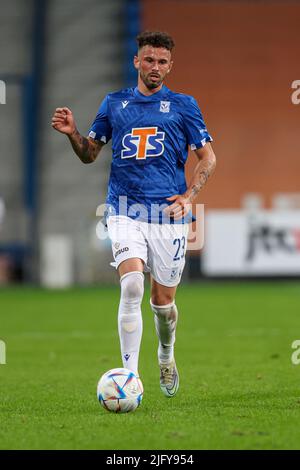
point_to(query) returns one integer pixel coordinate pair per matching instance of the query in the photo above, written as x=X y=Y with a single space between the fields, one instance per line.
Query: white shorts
x=162 y=247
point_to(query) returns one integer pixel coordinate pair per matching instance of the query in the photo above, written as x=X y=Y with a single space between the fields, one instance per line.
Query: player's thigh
x=129 y=246
x=129 y=265
x=166 y=252
x=162 y=295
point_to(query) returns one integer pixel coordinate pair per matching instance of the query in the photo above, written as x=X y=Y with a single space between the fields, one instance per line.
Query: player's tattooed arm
x=203 y=170
x=182 y=203
x=87 y=149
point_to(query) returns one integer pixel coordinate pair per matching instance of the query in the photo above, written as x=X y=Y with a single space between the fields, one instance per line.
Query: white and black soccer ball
x=120 y=390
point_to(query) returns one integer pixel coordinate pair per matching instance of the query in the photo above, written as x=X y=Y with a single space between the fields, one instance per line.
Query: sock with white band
x=165 y=319
x=130 y=324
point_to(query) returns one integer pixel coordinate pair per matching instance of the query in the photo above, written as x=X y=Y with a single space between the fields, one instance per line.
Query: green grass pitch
x=239 y=388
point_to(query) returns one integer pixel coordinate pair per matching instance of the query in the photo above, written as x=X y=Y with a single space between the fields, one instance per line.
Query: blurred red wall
x=239 y=60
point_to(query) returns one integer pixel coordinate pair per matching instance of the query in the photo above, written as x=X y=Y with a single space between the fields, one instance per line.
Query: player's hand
x=180 y=208
x=63 y=121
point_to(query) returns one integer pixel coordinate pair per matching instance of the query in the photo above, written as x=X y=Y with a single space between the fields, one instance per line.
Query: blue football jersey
x=150 y=139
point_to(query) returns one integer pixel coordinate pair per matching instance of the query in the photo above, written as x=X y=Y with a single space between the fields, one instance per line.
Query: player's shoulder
x=181 y=98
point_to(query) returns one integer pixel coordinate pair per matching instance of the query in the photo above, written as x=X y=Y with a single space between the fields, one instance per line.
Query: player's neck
x=148 y=91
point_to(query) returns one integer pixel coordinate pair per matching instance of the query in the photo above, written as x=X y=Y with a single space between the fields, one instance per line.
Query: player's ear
x=171 y=65
x=136 y=62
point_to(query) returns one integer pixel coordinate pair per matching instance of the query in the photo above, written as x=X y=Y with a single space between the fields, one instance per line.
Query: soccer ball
x=120 y=390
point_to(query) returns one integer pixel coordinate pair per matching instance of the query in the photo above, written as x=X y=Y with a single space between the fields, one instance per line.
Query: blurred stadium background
x=239 y=59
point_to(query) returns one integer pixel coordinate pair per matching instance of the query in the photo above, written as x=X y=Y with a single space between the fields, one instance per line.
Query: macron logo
x=124 y=104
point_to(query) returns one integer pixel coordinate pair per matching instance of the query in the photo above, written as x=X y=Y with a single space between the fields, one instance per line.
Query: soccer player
x=148 y=201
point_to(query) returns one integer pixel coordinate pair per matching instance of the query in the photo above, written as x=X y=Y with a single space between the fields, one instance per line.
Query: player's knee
x=161 y=299
x=132 y=286
x=165 y=312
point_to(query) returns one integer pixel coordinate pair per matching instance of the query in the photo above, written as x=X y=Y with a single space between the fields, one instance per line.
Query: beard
x=149 y=83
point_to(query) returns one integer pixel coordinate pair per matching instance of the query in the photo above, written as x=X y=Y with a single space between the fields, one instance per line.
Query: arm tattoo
x=203 y=177
x=86 y=150
x=203 y=170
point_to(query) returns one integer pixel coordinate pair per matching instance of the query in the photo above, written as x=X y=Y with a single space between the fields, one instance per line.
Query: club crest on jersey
x=143 y=142
x=164 y=106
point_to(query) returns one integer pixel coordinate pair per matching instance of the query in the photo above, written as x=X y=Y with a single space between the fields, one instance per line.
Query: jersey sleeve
x=101 y=127
x=194 y=125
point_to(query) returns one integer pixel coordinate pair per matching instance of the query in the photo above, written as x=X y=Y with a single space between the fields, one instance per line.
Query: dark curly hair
x=155 y=39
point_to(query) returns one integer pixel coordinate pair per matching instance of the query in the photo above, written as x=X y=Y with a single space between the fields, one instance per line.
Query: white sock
x=165 y=319
x=130 y=322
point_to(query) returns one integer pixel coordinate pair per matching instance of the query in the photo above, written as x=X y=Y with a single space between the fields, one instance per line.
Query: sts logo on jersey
x=143 y=142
